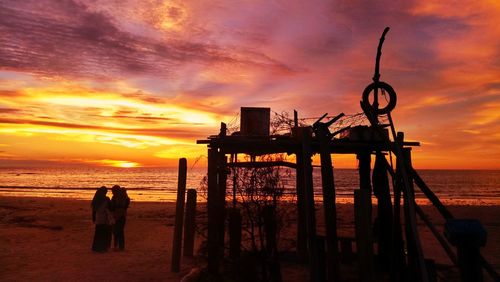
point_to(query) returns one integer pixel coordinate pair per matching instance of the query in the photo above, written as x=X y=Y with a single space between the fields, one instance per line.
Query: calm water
x=160 y=184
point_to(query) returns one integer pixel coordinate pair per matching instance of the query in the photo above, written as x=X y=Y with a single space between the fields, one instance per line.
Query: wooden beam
x=262 y=164
x=286 y=144
x=430 y=195
x=437 y=234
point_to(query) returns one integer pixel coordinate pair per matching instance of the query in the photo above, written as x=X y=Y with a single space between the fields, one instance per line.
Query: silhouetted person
x=119 y=203
x=101 y=218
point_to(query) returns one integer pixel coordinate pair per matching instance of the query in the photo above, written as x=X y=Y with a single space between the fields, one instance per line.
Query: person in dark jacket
x=119 y=203
x=101 y=218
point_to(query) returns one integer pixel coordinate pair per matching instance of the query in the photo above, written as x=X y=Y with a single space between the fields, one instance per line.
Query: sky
x=135 y=83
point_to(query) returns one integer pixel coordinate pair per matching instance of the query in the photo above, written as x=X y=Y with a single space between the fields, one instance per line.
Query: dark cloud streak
x=157 y=131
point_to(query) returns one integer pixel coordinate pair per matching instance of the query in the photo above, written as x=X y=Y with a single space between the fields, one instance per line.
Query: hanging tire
x=388 y=89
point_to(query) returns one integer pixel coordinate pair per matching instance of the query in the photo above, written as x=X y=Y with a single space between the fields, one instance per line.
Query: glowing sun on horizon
x=127 y=165
x=118 y=163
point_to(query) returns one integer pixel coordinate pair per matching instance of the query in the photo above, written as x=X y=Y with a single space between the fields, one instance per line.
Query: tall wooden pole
x=309 y=204
x=329 y=207
x=384 y=210
x=363 y=216
x=179 y=216
x=363 y=230
x=213 y=236
x=221 y=201
x=415 y=253
x=301 y=211
x=398 y=261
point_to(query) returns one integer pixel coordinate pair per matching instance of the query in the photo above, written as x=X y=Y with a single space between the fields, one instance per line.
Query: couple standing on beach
x=109 y=217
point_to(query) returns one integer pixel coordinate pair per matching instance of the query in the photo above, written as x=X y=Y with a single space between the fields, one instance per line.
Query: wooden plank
x=179 y=216
x=190 y=223
x=363 y=230
x=286 y=144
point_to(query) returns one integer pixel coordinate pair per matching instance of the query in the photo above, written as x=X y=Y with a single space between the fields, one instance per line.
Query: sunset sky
x=136 y=83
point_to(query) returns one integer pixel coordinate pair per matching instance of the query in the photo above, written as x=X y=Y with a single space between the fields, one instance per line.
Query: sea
x=460 y=187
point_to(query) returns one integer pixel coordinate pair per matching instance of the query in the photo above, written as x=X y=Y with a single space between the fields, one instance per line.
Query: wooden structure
x=321 y=252
x=303 y=143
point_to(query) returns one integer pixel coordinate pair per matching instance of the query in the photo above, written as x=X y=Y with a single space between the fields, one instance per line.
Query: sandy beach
x=49 y=239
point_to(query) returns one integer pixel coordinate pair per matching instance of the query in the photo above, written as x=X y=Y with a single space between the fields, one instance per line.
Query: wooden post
x=468 y=235
x=213 y=229
x=346 y=254
x=321 y=258
x=384 y=211
x=269 y=217
x=363 y=218
x=363 y=230
x=431 y=270
x=309 y=203
x=179 y=216
x=270 y=229
x=190 y=224
x=234 y=159
x=295 y=119
x=398 y=261
x=329 y=207
x=234 y=233
x=301 y=211
x=364 y=159
x=221 y=202
x=415 y=254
